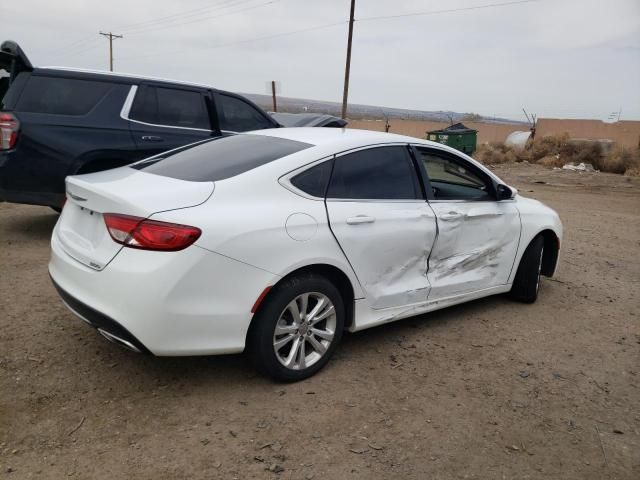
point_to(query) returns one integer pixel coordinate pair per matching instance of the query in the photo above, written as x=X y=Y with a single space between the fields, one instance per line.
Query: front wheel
x=527 y=281
x=297 y=330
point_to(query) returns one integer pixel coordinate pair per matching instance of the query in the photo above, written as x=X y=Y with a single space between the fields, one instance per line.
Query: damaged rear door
x=380 y=218
x=477 y=235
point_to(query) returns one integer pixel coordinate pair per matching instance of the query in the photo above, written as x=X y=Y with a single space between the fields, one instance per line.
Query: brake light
x=137 y=232
x=9 y=127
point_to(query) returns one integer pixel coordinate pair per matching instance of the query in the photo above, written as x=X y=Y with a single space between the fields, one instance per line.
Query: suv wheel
x=296 y=332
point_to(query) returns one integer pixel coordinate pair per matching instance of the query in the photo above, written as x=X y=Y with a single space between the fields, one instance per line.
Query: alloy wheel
x=304 y=331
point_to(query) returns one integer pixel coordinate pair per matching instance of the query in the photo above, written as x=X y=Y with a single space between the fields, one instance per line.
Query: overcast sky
x=556 y=58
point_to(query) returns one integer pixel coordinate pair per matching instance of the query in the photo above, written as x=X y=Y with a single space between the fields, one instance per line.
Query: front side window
x=61 y=96
x=239 y=116
x=452 y=180
x=170 y=107
x=383 y=173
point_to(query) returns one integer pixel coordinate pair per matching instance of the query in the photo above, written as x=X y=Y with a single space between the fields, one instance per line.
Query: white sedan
x=277 y=241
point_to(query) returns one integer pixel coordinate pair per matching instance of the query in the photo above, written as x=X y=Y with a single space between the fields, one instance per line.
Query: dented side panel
x=475 y=247
x=388 y=245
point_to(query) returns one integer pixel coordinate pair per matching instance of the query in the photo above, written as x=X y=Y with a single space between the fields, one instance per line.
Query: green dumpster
x=456 y=136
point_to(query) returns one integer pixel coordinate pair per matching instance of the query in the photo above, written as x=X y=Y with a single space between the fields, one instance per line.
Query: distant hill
x=357 y=111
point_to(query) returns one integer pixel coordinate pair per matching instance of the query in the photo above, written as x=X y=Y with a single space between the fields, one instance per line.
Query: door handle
x=360 y=219
x=451 y=216
x=152 y=138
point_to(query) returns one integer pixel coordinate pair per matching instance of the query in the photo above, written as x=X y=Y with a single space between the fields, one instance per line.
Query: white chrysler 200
x=276 y=241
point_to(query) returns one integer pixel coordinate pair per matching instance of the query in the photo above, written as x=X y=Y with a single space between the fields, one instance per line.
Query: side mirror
x=504 y=193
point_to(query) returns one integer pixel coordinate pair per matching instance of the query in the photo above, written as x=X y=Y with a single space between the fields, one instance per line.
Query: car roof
x=340 y=139
x=123 y=76
x=330 y=141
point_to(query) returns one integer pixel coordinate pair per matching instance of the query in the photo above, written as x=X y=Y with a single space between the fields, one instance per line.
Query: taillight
x=136 y=232
x=9 y=127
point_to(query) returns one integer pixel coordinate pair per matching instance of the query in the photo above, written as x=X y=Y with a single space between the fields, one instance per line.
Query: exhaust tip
x=119 y=341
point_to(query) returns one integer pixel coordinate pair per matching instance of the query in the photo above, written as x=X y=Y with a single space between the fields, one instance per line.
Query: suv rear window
x=221 y=158
x=170 y=107
x=239 y=116
x=61 y=96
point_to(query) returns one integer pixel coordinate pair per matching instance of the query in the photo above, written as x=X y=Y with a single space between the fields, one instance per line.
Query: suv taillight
x=137 y=232
x=9 y=127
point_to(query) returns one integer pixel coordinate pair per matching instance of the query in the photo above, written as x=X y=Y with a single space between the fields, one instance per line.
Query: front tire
x=296 y=331
x=527 y=282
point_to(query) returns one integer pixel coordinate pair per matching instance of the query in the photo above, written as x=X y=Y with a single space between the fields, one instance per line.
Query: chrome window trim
x=472 y=201
x=375 y=200
x=126 y=110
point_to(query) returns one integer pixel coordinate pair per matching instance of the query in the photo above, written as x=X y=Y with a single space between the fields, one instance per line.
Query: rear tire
x=527 y=282
x=297 y=329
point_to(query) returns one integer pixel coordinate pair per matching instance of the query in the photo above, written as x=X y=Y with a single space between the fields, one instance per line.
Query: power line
x=248 y=40
x=449 y=10
x=79 y=49
x=68 y=49
x=199 y=18
x=175 y=16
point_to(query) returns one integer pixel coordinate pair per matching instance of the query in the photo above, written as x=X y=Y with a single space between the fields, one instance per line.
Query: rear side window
x=170 y=107
x=61 y=96
x=221 y=158
x=239 y=116
x=383 y=173
x=313 y=181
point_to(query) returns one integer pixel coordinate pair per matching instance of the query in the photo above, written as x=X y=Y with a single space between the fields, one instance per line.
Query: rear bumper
x=191 y=302
x=108 y=327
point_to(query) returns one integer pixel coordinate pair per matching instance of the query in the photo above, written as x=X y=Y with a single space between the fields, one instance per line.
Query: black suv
x=56 y=122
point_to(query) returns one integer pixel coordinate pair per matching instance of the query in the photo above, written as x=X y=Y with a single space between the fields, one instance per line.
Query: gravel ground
x=490 y=389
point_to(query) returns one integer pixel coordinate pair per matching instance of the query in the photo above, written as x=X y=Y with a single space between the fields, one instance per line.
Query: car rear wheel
x=527 y=282
x=296 y=331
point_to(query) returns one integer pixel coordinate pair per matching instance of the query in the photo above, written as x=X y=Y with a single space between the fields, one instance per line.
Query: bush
x=622 y=160
x=558 y=150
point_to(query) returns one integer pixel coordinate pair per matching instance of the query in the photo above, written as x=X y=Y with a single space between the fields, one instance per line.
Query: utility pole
x=273 y=94
x=111 y=36
x=345 y=92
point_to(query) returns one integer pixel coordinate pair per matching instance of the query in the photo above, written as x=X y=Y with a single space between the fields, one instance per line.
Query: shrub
x=621 y=160
x=558 y=150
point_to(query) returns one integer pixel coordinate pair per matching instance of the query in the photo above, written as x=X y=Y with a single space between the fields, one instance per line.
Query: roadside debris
x=77 y=426
x=581 y=167
x=359 y=451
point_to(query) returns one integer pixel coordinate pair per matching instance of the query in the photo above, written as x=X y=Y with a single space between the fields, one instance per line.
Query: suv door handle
x=152 y=138
x=360 y=219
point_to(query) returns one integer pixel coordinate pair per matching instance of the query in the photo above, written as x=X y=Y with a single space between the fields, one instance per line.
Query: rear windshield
x=61 y=96
x=221 y=158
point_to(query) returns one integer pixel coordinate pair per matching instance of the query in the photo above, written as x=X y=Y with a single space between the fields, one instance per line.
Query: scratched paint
x=389 y=253
x=474 y=248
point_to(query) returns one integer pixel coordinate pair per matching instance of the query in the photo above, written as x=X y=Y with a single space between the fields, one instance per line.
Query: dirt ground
x=488 y=390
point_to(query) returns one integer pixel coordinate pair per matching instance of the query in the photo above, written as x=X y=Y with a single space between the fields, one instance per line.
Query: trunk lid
x=13 y=60
x=81 y=229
